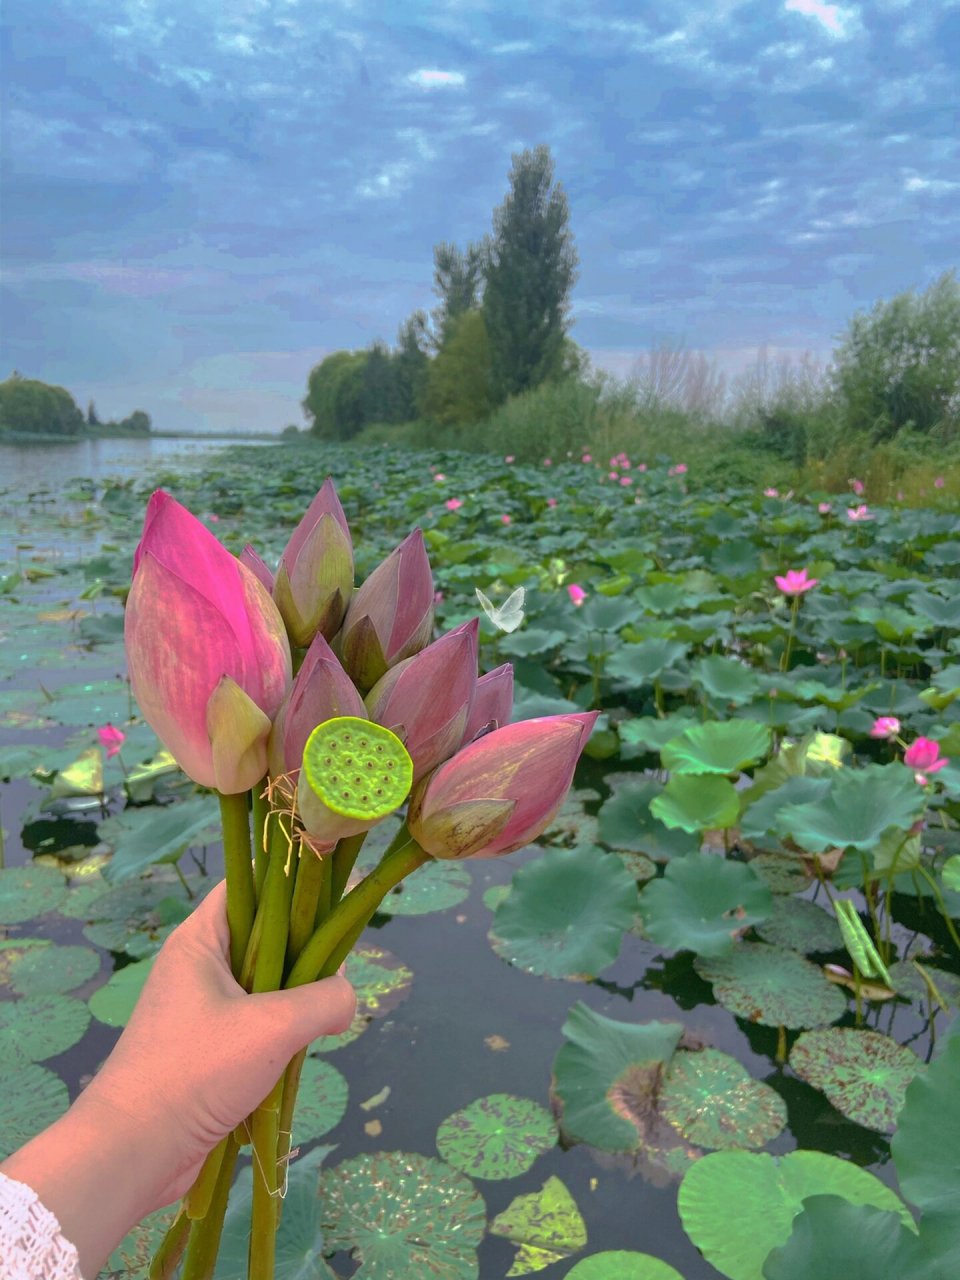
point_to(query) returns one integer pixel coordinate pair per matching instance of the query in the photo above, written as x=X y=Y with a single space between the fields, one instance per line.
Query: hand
x=197 y=1057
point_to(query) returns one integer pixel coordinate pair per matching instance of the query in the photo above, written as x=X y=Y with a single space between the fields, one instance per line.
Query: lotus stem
x=344 y=857
x=310 y=892
x=171 y=1247
x=239 y=873
x=205 y=1234
x=197 y=1201
x=781 y=1043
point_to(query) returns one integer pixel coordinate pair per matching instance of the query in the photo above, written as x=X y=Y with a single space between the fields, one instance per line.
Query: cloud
x=432 y=79
x=831 y=17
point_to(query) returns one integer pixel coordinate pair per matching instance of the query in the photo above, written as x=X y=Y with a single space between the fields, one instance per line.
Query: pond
x=648 y=901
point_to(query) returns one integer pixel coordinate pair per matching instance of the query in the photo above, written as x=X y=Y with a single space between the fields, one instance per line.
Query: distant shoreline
x=39 y=437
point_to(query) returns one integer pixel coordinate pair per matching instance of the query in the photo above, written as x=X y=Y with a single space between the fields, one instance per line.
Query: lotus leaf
x=711 y=1099
x=435 y=887
x=403 y=1215
x=646 y=735
x=83 y=777
x=381 y=982
x=800 y=925
x=607 y=1075
x=38 y=1027
x=31 y=1098
x=638 y=664
x=132 y=909
x=627 y=823
x=114 y=1002
x=761 y=815
x=26 y=892
x=697 y=803
x=134 y=1253
x=907 y=977
x=725 y=747
x=772 y=986
x=321 y=1100
x=620 y=1265
x=781 y=873
x=950 y=873
x=861 y=806
x=566 y=913
x=862 y=1073
x=547 y=1225
x=832 y=1237
x=702 y=903
x=499 y=1136
x=141 y=837
x=727 y=679
x=738 y=1205
x=38 y=967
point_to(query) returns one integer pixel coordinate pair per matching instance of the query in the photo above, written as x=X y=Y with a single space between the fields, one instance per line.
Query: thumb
x=324 y=1008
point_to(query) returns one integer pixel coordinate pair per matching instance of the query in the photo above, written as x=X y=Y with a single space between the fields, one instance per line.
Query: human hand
x=197 y=1056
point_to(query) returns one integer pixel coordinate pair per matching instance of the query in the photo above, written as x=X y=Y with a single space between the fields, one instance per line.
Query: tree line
x=33 y=408
x=500 y=328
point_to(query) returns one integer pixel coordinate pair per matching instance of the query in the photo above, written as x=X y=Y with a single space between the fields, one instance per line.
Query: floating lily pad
x=31 y=1098
x=499 y=1136
x=618 y=1264
x=702 y=902
x=727 y=679
x=832 y=1237
x=639 y=865
x=100 y=702
x=697 y=803
x=403 y=1216
x=712 y=1100
x=627 y=824
x=321 y=1100
x=134 y=1253
x=546 y=1224
x=772 y=986
x=38 y=1027
x=781 y=874
x=862 y=804
x=862 y=1073
x=38 y=967
x=82 y=777
x=926 y=1151
x=493 y=896
x=131 y=909
x=801 y=925
x=381 y=982
x=763 y=815
x=950 y=872
x=566 y=913
x=908 y=981
x=26 y=892
x=141 y=837
x=607 y=1075
x=738 y=1205
x=433 y=887
x=726 y=747
x=647 y=735
x=114 y=1002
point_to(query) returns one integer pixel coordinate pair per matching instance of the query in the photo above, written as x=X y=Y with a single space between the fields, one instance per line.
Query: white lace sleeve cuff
x=31 y=1246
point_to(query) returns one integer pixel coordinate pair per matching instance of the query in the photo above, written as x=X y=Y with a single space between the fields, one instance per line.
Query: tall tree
x=411 y=364
x=456 y=279
x=334 y=395
x=379 y=398
x=529 y=271
x=458 y=383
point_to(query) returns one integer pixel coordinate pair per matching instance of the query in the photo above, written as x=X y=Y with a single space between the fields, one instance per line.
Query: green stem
x=938 y=898
x=205 y=1234
x=785 y=656
x=344 y=858
x=239 y=873
x=261 y=811
x=171 y=1247
x=356 y=908
x=313 y=877
x=198 y=1199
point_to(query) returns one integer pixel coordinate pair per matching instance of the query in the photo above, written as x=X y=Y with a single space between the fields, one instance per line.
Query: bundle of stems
x=291 y=923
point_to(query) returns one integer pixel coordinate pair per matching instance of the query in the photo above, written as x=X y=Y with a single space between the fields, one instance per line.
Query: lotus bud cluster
x=315 y=576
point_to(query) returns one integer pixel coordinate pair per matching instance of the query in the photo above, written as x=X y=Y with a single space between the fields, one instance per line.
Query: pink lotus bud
x=257 y=567
x=203 y=641
x=504 y=519
x=501 y=791
x=453 y=504
x=111 y=739
x=426 y=699
x=390 y=616
x=321 y=691
x=885 y=727
x=924 y=754
x=857 y=486
x=794 y=582
x=315 y=576
x=824 y=508
x=551 y=502
x=771 y=493
x=509 y=458
x=576 y=594
x=587 y=457
x=939 y=482
x=492 y=702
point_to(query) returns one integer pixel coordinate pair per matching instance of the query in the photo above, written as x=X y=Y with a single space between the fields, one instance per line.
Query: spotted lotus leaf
x=499 y=1136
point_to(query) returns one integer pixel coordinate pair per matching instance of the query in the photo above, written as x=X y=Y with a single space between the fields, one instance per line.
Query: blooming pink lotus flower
x=426 y=699
x=794 y=582
x=824 y=508
x=859 y=513
x=453 y=504
x=500 y=792
x=390 y=616
x=207 y=651
x=576 y=594
x=249 y=557
x=492 y=702
x=504 y=519
x=439 y=477
x=858 y=487
x=315 y=575
x=939 y=482
x=924 y=756
x=509 y=458
x=547 y=462
x=587 y=457
x=551 y=502
x=615 y=462
x=679 y=470
x=111 y=739
x=321 y=691
x=626 y=480
x=771 y=493
x=885 y=727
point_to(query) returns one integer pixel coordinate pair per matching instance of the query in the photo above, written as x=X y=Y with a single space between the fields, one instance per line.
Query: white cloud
x=512 y=46
x=933 y=186
x=429 y=78
x=830 y=16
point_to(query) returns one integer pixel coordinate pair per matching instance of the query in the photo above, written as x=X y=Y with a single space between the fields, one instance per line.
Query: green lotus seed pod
x=354 y=773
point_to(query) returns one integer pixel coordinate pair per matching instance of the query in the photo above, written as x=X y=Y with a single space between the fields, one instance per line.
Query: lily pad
x=31 y=1098
x=433 y=887
x=38 y=967
x=26 y=892
x=727 y=679
x=862 y=804
x=762 y=815
x=626 y=823
x=712 y=1100
x=702 y=902
x=800 y=925
x=141 y=837
x=321 y=1100
x=772 y=986
x=546 y=1224
x=738 y=1205
x=403 y=1215
x=832 y=1237
x=38 y=1027
x=114 y=1002
x=134 y=1253
x=618 y=1264
x=862 y=1073
x=780 y=873
x=131 y=909
x=499 y=1136
x=726 y=747
x=607 y=1075
x=99 y=702
x=697 y=803
x=381 y=982
x=566 y=913
x=908 y=981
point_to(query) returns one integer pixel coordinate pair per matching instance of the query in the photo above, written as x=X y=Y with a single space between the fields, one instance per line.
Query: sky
x=203 y=198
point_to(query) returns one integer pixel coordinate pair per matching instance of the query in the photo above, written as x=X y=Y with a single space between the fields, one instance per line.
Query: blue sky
x=202 y=198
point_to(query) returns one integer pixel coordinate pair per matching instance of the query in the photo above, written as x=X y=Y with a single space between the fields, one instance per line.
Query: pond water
x=472 y=1024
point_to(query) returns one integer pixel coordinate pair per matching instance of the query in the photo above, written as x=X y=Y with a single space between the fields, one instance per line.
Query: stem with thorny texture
x=241 y=895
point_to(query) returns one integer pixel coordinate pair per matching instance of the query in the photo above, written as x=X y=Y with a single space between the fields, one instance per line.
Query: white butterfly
x=509 y=615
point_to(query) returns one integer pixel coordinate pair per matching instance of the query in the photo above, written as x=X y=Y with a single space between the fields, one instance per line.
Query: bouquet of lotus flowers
x=316 y=711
